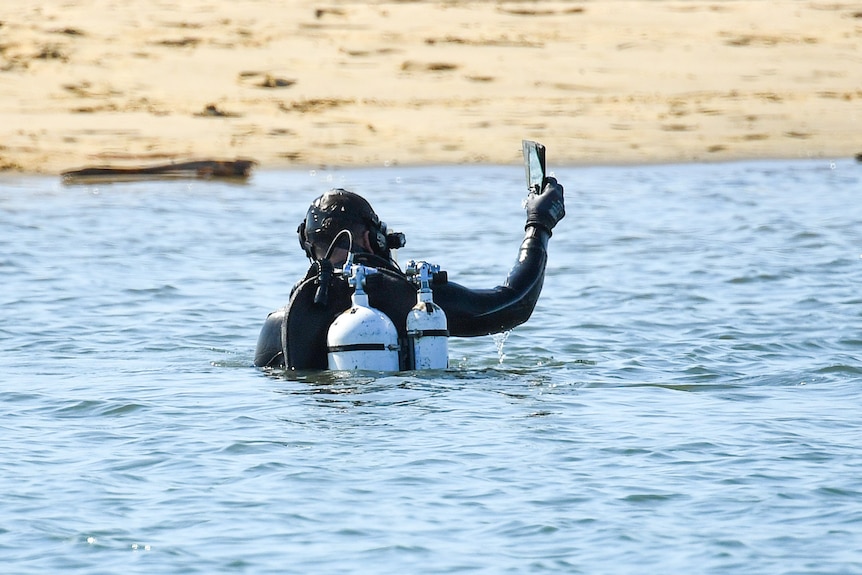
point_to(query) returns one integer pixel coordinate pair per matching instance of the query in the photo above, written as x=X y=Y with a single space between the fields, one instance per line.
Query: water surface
x=684 y=399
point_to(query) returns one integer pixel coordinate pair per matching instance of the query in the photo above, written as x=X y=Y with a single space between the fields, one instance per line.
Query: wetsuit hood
x=338 y=210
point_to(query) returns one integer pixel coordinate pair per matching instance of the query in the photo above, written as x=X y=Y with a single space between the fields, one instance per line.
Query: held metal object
x=534 y=165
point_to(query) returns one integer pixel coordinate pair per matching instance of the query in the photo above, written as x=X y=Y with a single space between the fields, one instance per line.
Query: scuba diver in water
x=341 y=226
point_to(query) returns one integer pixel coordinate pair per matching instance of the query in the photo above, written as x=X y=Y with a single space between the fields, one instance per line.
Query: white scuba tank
x=427 y=327
x=362 y=337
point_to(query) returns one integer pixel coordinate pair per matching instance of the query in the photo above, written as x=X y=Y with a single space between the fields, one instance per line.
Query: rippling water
x=685 y=399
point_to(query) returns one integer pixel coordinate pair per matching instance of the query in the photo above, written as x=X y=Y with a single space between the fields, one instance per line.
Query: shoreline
x=517 y=164
x=435 y=82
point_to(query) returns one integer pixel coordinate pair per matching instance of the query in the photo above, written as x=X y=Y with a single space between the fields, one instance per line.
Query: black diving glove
x=546 y=209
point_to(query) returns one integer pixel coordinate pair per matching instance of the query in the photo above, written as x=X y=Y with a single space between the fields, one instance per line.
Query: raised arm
x=472 y=312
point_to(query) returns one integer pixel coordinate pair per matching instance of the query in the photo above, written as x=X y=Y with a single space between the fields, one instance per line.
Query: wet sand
x=290 y=84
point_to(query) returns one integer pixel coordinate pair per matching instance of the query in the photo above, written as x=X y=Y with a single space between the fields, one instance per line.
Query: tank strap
x=358 y=347
x=428 y=333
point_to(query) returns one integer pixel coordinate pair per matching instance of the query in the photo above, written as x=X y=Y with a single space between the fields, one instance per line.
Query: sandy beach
x=344 y=83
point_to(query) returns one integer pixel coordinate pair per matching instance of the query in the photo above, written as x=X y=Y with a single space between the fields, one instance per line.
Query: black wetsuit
x=299 y=329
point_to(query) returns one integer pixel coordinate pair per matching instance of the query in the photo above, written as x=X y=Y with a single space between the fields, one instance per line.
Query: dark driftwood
x=201 y=169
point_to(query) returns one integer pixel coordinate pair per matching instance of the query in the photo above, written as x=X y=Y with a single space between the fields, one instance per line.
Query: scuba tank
x=362 y=337
x=427 y=329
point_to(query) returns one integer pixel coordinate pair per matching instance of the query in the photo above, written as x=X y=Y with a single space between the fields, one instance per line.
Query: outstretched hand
x=546 y=209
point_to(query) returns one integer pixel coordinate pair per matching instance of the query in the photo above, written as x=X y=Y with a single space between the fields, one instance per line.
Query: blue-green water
x=685 y=399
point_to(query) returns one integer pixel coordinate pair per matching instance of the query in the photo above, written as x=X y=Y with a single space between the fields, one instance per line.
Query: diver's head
x=320 y=234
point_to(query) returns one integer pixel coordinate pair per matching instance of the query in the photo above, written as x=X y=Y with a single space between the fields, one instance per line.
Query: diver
x=339 y=223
